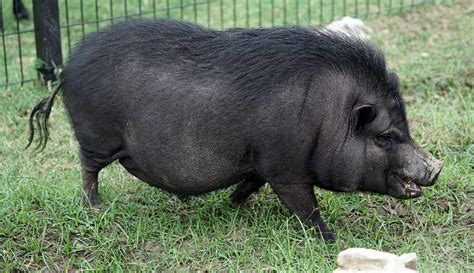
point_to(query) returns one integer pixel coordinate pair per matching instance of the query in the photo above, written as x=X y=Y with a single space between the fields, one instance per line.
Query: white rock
x=352 y=27
x=369 y=260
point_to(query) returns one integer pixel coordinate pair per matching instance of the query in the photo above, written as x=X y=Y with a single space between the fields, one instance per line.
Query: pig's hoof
x=96 y=206
x=326 y=234
x=93 y=203
x=328 y=237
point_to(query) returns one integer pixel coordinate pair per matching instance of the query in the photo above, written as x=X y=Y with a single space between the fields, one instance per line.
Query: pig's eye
x=384 y=141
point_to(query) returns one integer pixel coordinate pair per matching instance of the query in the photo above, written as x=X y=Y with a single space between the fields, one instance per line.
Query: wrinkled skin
x=388 y=160
x=192 y=110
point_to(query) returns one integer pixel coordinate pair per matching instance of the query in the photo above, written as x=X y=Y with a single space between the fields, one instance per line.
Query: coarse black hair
x=275 y=54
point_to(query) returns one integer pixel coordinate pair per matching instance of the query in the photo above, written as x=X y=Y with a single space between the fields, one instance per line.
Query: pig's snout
x=436 y=167
x=427 y=165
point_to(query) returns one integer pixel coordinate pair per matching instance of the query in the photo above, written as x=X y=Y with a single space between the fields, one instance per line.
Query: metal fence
x=29 y=46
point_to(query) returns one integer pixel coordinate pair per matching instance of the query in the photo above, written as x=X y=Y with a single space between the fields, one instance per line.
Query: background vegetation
x=45 y=226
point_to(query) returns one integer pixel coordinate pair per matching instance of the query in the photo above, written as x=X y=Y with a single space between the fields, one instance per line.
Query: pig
x=19 y=10
x=191 y=110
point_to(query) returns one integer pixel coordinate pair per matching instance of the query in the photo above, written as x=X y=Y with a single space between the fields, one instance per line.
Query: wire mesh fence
x=20 y=62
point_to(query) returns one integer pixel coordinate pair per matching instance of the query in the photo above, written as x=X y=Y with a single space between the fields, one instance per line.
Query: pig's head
x=373 y=150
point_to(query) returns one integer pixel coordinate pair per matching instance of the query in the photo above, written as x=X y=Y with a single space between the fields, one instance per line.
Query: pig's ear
x=361 y=116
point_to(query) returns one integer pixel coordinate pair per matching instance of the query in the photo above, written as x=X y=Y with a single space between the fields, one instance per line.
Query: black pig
x=191 y=110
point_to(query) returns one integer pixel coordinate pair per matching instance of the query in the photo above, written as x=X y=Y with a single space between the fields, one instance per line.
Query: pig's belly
x=187 y=173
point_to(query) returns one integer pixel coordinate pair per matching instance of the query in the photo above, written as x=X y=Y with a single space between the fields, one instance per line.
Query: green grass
x=45 y=226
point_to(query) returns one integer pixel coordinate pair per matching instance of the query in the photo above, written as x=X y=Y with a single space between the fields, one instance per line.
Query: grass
x=45 y=226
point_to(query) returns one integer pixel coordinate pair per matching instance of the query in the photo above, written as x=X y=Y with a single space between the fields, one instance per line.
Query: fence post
x=48 y=38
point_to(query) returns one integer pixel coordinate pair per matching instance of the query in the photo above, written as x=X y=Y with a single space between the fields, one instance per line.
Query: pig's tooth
x=413 y=193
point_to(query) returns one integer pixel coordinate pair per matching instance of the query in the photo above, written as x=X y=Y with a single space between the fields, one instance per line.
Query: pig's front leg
x=300 y=200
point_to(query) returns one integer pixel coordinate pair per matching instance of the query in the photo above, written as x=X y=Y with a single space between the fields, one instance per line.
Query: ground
x=44 y=225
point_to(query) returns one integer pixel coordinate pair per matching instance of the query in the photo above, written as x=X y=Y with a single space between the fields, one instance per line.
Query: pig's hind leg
x=250 y=185
x=92 y=163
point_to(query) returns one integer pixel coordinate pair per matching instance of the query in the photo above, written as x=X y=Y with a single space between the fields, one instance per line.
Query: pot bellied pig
x=191 y=110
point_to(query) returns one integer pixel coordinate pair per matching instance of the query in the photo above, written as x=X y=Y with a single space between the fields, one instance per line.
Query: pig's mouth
x=403 y=187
